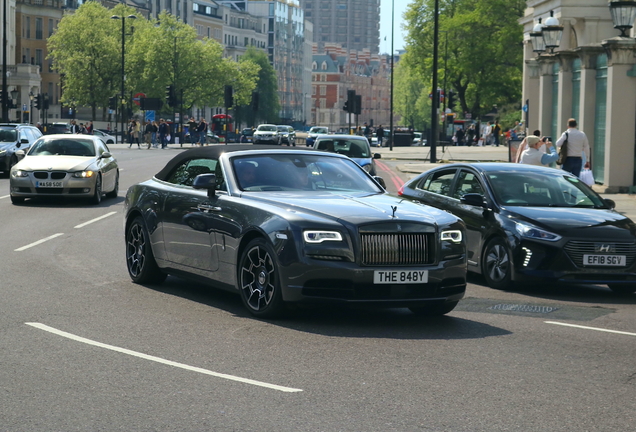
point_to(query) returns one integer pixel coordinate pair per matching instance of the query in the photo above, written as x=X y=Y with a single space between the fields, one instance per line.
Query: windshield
x=292 y=172
x=318 y=130
x=347 y=147
x=540 y=189
x=267 y=128
x=8 y=135
x=283 y=129
x=63 y=147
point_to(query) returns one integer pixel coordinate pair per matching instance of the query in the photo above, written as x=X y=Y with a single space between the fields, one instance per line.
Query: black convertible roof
x=214 y=152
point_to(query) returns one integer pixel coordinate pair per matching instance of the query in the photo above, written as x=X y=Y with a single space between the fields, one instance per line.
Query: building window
x=38 y=28
x=195 y=7
x=27 y=27
x=38 y=58
x=51 y=28
x=323 y=90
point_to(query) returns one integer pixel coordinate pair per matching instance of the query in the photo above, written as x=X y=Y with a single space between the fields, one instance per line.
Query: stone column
x=565 y=89
x=531 y=88
x=546 y=62
x=620 y=136
x=587 y=99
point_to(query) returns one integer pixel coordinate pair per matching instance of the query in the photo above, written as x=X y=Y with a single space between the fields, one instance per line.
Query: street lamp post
x=123 y=74
x=5 y=102
x=435 y=99
x=391 y=133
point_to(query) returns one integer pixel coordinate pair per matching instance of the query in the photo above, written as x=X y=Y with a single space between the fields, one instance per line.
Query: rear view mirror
x=473 y=199
x=380 y=180
x=205 y=181
x=20 y=154
x=377 y=156
x=610 y=203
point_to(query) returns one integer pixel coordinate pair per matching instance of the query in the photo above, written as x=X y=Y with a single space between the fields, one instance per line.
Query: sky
x=385 y=24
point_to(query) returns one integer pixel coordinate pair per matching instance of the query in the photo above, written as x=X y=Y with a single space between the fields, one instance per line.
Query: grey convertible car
x=281 y=226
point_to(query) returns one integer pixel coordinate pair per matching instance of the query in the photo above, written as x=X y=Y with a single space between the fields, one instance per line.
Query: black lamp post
x=552 y=32
x=391 y=133
x=623 y=15
x=123 y=74
x=5 y=101
x=435 y=98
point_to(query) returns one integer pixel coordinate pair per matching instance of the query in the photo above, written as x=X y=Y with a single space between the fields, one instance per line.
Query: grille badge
x=604 y=248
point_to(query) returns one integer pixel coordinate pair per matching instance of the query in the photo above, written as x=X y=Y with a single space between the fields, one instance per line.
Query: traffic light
x=357 y=108
x=112 y=102
x=170 y=96
x=346 y=106
x=255 y=96
x=229 y=97
x=37 y=101
x=45 y=101
x=351 y=101
x=451 y=99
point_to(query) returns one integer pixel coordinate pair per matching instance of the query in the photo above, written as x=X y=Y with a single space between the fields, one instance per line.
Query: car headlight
x=367 y=168
x=83 y=174
x=530 y=231
x=321 y=236
x=454 y=236
x=19 y=173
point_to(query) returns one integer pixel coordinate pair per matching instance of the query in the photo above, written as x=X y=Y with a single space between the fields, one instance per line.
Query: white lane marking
x=95 y=220
x=160 y=360
x=38 y=242
x=590 y=328
x=6 y=196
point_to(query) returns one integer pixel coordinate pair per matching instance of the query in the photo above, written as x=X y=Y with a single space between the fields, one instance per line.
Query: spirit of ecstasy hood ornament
x=394 y=208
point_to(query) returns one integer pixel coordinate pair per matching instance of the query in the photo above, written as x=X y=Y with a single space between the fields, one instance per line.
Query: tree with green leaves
x=266 y=86
x=485 y=52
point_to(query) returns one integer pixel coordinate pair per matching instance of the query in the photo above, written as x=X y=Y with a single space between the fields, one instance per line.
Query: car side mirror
x=105 y=155
x=610 y=203
x=24 y=141
x=20 y=154
x=473 y=199
x=380 y=181
x=205 y=181
x=377 y=156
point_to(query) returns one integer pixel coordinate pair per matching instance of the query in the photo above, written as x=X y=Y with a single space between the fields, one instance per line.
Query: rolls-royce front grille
x=396 y=249
x=576 y=250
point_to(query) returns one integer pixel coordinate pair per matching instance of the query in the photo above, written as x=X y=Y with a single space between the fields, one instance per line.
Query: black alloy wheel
x=434 y=310
x=115 y=191
x=142 y=267
x=497 y=264
x=97 y=196
x=623 y=289
x=258 y=280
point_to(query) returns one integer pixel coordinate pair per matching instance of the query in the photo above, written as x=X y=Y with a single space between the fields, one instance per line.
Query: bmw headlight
x=19 y=173
x=321 y=236
x=83 y=174
x=530 y=231
x=454 y=236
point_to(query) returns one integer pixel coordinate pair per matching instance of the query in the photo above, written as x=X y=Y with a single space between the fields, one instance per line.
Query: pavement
x=413 y=160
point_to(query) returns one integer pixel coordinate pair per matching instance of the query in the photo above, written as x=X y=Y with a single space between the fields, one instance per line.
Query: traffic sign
x=137 y=97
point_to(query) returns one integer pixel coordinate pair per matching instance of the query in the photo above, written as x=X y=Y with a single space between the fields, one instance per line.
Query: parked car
x=65 y=165
x=287 y=135
x=267 y=134
x=313 y=133
x=247 y=135
x=280 y=225
x=528 y=223
x=417 y=139
x=107 y=138
x=354 y=146
x=14 y=137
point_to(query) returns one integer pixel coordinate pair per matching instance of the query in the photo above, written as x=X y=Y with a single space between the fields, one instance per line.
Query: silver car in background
x=65 y=165
x=267 y=134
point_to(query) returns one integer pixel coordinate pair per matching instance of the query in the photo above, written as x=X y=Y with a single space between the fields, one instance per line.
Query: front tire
x=623 y=289
x=259 y=280
x=97 y=196
x=497 y=264
x=17 y=200
x=142 y=267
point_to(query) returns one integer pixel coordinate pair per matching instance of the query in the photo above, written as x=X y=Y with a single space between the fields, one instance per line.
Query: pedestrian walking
x=379 y=133
x=487 y=135
x=75 y=129
x=163 y=133
x=192 y=129
x=576 y=146
x=470 y=135
x=460 y=136
x=534 y=154
x=496 y=133
x=148 y=134
x=89 y=128
x=202 y=129
x=153 y=137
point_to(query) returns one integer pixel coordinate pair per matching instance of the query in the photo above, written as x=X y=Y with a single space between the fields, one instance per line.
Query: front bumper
x=28 y=187
x=540 y=261
x=318 y=281
x=259 y=139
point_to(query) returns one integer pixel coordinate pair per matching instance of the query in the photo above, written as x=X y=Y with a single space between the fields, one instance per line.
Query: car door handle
x=208 y=208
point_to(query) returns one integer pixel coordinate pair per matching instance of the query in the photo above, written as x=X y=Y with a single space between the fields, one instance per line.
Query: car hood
x=6 y=145
x=357 y=209
x=55 y=163
x=362 y=161
x=578 y=222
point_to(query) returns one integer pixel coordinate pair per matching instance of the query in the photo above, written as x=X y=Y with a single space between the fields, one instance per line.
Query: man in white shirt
x=576 y=146
x=533 y=155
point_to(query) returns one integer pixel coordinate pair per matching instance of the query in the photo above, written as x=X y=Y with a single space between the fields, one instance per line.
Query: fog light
x=526 y=260
x=86 y=190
